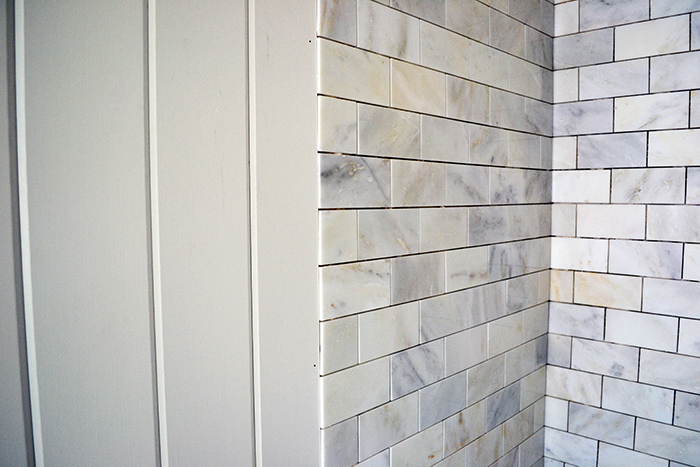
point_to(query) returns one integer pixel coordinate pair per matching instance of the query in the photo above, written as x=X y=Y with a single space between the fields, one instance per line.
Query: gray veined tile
x=515 y=431
x=670 y=370
x=538 y=186
x=388 y=424
x=656 y=37
x=576 y=320
x=487 y=225
x=347 y=289
x=597 y=14
x=695 y=32
x=674 y=223
x=673 y=7
x=414 y=277
x=338 y=20
x=444 y=50
x=547 y=14
x=652 y=112
x=337 y=125
x=388 y=132
x=504 y=334
x=442 y=399
x=619 y=361
x=650 y=186
x=570 y=448
x=507 y=110
x=652 y=259
x=675 y=72
x=507 y=34
x=588 y=48
x=574 y=385
x=444 y=140
x=529 y=79
x=486 y=303
x=502 y=405
x=559 y=350
x=387 y=31
x=579 y=118
x=488 y=145
x=467 y=101
x=523 y=150
x=507 y=185
x=417 y=183
x=348 y=181
x=540 y=48
x=469 y=18
x=485 y=379
x=669 y=442
x=431 y=10
x=689 y=339
x=532 y=390
x=527 y=11
x=687 y=412
x=416 y=368
x=523 y=360
x=601 y=424
x=466 y=268
x=466 y=185
x=443 y=315
x=486 y=449
x=613 y=456
x=388 y=232
x=614 y=79
x=488 y=65
x=380 y=460
x=465 y=349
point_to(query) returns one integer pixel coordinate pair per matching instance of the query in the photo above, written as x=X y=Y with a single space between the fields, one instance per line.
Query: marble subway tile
x=338 y=236
x=578 y=118
x=668 y=442
x=414 y=277
x=443 y=315
x=611 y=221
x=528 y=79
x=469 y=18
x=538 y=186
x=576 y=320
x=533 y=388
x=564 y=152
x=389 y=330
x=338 y=344
x=547 y=14
x=430 y=10
x=488 y=145
x=652 y=259
x=467 y=100
x=673 y=7
x=587 y=48
x=570 y=448
x=485 y=379
x=466 y=349
x=566 y=18
x=388 y=132
x=608 y=290
x=517 y=258
x=597 y=14
x=348 y=181
x=615 y=79
x=443 y=228
x=420 y=450
x=502 y=405
x=566 y=85
x=442 y=399
x=487 y=225
x=613 y=456
x=353 y=74
x=580 y=254
x=601 y=424
x=675 y=72
x=695 y=103
x=564 y=219
x=416 y=88
x=355 y=287
x=540 y=48
x=561 y=286
x=444 y=140
x=527 y=291
x=527 y=11
x=656 y=37
x=486 y=303
x=380 y=460
x=464 y=427
x=532 y=449
x=507 y=186
x=355 y=390
x=504 y=334
x=556 y=413
x=582 y=186
x=687 y=412
x=444 y=50
x=574 y=385
x=418 y=367
x=523 y=150
x=539 y=117
x=507 y=109
x=602 y=358
x=693 y=186
x=652 y=112
x=387 y=232
x=488 y=65
x=339 y=444
x=338 y=20
x=507 y=34
x=695 y=32
x=650 y=186
x=641 y=330
x=388 y=424
x=337 y=125
x=523 y=360
x=691 y=262
x=674 y=147
x=670 y=370
x=612 y=150
x=466 y=268
x=673 y=223
x=417 y=183
x=466 y=185
x=515 y=431
x=455 y=460
x=386 y=31
x=675 y=298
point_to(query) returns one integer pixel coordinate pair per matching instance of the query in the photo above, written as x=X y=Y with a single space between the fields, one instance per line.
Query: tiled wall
x=434 y=150
x=623 y=380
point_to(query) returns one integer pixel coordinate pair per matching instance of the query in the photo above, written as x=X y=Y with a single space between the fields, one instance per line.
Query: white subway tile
x=442 y=399
x=466 y=349
x=601 y=424
x=387 y=31
x=580 y=254
x=387 y=232
x=612 y=150
x=388 y=424
x=443 y=228
x=444 y=50
x=611 y=221
x=433 y=11
x=389 y=330
x=337 y=125
x=339 y=443
x=656 y=37
x=652 y=112
x=348 y=181
x=570 y=448
x=556 y=413
x=675 y=72
x=338 y=236
x=587 y=48
x=414 y=277
x=691 y=262
x=579 y=118
x=564 y=219
x=613 y=456
x=351 y=288
x=673 y=223
x=417 y=88
x=466 y=268
x=468 y=17
x=673 y=7
x=689 y=339
x=388 y=132
x=458 y=433
x=651 y=186
x=608 y=290
x=652 y=259
x=687 y=412
x=445 y=140
x=566 y=18
x=416 y=183
x=693 y=186
x=670 y=370
x=638 y=399
x=576 y=320
x=574 y=385
x=674 y=147
x=675 y=298
x=641 y=330
x=338 y=344
x=420 y=450
x=337 y=20
x=561 y=286
x=418 y=367
x=599 y=14
x=668 y=442
x=581 y=186
x=602 y=358
x=615 y=79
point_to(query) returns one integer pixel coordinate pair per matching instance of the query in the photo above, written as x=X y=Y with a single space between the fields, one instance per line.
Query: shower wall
x=435 y=124
x=623 y=380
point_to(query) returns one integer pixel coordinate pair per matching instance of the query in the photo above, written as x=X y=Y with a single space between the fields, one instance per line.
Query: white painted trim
x=23 y=186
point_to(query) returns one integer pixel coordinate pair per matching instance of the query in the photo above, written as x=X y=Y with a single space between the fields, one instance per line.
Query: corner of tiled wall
x=623 y=377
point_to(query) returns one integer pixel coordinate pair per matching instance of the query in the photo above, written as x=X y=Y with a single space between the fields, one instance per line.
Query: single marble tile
x=692 y=186
x=380 y=460
x=538 y=186
x=613 y=456
x=388 y=232
x=675 y=72
x=337 y=125
x=576 y=320
x=687 y=413
x=487 y=225
x=420 y=450
x=561 y=286
x=588 y=48
x=564 y=152
x=516 y=430
x=338 y=236
x=689 y=339
x=388 y=132
x=444 y=140
x=466 y=268
x=504 y=334
x=650 y=186
x=695 y=32
x=597 y=14
x=656 y=37
x=416 y=88
x=414 y=277
x=443 y=228
x=387 y=31
x=573 y=385
x=488 y=65
x=539 y=117
x=615 y=79
x=611 y=221
x=603 y=358
x=464 y=427
x=469 y=18
x=486 y=449
x=527 y=11
x=556 y=413
x=566 y=18
x=416 y=368
x=674 y=147
x=488 y=145
x=602 y=425
x=652 y=259
x=444 y=50
x=523 y=150
x=566 y=85
x=338 y=344
x=355 y=287
x=668 y=442
x=641 y=330
x=547 y=15
x=532 y=449
x=526 y=291
x=354 y=390
x=486 y=302
x=430 y=10
x=485 y=379
x=417 y=183
x=507 y=110
x=525 y=359
x=580 y=254
x=674 y=223
x=507 y=186
x=652 y=112
x=455 y=460
x=507 y=34
x=559 y=350
x=339 y=444
x=388 y=424
x=465 y=349
x=442 y=399
x=691 y=262
x=532 y=390
x=515 y=259
x=695 y=102
x=466 y=185
x=337 y=19
x=443 y=315
x=348 y=181
x=673 y=7
x=583 y=117
x=675 y=298
x=502 y=405
x=353 y=74
x=388 y=330
x=608 y=290
x=467 y=100
x=527 y=78
x=581 y=186
x=540 y=48
x=670 y=370
x=570 y=448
